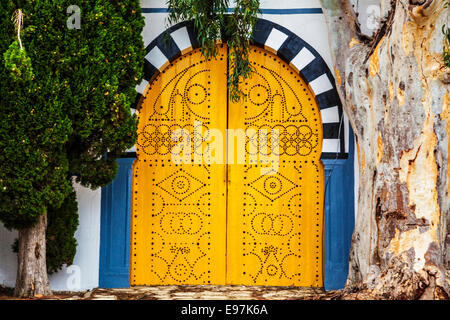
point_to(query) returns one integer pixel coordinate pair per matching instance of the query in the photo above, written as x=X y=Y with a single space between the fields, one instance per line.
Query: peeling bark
x=32 y=279
x=397 y=103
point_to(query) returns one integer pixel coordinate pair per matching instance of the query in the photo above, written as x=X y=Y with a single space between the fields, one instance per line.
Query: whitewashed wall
x=84 y=273
x=8 y=260
x=310 y=27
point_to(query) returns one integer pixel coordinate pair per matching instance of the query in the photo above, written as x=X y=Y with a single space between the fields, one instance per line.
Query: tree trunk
x=32 y=279
x=395 y=94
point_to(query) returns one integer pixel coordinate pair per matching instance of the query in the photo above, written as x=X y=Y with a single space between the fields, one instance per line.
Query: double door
x=227 y=192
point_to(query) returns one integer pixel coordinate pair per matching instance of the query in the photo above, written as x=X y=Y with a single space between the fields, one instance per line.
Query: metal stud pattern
x=275 y=220
x=179 y=217
x=229 y=223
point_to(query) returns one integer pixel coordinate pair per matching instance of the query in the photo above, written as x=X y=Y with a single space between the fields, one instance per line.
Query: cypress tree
x=65 y=97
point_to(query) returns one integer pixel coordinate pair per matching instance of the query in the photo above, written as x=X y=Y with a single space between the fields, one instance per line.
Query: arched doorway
x=228 y=222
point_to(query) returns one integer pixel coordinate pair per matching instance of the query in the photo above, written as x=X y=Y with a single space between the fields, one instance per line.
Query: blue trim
x=155 y=10
x=339 y=217
x=115 y=229
x=263 y=11
x=293 y=11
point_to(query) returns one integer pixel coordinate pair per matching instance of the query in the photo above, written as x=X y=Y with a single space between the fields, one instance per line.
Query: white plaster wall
x=310 y=27
x=83 y=274
x=8 y=259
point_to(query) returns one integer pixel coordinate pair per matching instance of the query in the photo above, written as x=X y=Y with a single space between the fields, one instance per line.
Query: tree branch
x=343 y=25
x=386 y=7
x=384 y=29
x=420 y=9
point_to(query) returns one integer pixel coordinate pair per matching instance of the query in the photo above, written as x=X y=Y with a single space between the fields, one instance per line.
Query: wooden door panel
x=179 y=208
x=275 y=215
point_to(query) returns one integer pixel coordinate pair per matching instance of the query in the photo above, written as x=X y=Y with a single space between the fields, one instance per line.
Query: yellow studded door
x=275 y=200
x=179 y=199
x=228 y=192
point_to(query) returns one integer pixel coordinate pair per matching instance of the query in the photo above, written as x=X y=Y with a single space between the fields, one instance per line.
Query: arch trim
x=182 y=38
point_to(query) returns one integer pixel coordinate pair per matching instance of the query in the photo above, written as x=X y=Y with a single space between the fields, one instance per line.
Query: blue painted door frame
x=339 y=217
x=115 y=228
x=339 y=223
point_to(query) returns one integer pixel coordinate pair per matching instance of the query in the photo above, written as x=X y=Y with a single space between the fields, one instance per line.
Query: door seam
x=227 y=169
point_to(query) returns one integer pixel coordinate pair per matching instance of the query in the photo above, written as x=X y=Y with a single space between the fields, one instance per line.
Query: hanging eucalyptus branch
x=211 y=19
x=240 y=29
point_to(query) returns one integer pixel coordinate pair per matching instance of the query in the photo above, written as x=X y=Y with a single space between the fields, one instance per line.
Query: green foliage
x=107 y=63
x=33 y=134
x=63 y=115
x=208 y=17
x=213 y=23
x=18 y=63
x=62 y=225
x=240 y=29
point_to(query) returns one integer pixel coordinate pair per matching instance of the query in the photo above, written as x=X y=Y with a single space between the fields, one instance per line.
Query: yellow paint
x=229 y=223
x=379 y=148
x=374 y=61
x=179 y=211
x=275 y=221
x=353 y=42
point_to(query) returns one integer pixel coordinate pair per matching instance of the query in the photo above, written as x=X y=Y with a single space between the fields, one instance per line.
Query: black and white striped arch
x=182 y=38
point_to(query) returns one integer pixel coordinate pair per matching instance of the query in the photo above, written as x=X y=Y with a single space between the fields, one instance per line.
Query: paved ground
x=192 y=293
